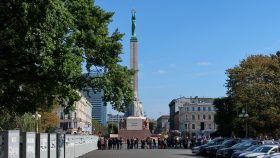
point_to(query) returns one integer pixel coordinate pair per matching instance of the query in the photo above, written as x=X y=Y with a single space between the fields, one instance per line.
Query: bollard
x=27 y=144
x=77 y=145
x=69 y=146
x=60 y=145
x=41 y=145
x=52 y=145
x=9 y=144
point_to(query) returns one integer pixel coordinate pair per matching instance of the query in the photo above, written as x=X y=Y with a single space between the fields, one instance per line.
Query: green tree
x=26 y=122
x=7 y=120
x=254 y=85
x=98 y=128
x=152 y=125
x=49 y=121
x=225 y=115
x=43 y=44
x=112 y=128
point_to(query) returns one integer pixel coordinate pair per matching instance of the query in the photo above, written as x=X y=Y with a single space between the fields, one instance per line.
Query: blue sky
x=185 y=46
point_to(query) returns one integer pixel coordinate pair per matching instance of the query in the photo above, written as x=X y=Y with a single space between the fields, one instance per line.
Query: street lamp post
x=245 y=115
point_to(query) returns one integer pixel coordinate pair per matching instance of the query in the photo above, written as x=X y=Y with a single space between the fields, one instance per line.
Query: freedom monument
x=135 y=124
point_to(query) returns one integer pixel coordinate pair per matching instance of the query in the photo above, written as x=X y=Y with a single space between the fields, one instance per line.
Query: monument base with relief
x=134 y=127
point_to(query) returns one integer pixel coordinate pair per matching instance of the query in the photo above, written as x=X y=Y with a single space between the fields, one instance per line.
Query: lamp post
x=37 y=116
x=244 y=115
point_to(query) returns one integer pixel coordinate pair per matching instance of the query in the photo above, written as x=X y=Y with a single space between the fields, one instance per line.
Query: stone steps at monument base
x=140 y=134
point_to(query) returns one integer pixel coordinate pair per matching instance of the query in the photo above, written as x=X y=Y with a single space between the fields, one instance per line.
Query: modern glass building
x=99 y=108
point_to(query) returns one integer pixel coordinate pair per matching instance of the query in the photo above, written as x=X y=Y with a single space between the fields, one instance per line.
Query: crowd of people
x=109 y=143
x=150 y=143
x=131 y=143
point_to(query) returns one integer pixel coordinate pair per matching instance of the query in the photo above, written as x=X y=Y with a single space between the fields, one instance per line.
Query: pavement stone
x=142 y=153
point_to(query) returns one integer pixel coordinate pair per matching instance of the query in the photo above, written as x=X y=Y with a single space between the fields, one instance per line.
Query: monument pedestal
x=134 y=127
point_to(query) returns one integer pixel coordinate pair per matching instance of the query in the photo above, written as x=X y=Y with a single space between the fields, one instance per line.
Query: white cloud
x=161 y=72
x=204 y=63
x=172 y=65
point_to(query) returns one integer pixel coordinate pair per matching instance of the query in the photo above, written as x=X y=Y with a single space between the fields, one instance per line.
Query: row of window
x=193 y=126
x=198 y=117
x=199 y=108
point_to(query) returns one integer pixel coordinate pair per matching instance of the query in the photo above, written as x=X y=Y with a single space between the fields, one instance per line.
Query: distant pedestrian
x=154 y=144
x=121 y=142
x=131 y=143
x=118 y=143
x=110 y=144
x=128 y=143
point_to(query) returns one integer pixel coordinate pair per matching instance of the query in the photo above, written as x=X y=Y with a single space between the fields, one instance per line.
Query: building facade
x=79 y=120
x=162 y=124
x=99 y=108
x=173 y=111
x=114 y=118
x=196 y=116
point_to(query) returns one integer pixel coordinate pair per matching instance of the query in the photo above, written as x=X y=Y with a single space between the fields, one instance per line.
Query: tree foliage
x=112 y=128
x=98 y=128
x=254 y=85
x=224 y=117
x=49 y=121
x=43 y=44
x=152 y=125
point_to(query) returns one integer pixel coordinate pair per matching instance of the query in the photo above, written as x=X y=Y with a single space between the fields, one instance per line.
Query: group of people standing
x=148 y=143
x=131 y=143
x=109 y=143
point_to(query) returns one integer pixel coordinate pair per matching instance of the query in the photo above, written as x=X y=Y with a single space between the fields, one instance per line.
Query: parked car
x=275 y=155
x=201 y=149
x=261 y=151
x=250 y=149
x=244 y=144
x=211 y=150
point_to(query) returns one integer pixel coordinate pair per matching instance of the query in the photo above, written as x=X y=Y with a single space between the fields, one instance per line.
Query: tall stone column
x=134 y=63
x=134 y=54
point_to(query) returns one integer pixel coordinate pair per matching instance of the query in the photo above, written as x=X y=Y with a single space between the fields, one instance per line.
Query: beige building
x=196 y=116
x=78 y=121
x=162 y=124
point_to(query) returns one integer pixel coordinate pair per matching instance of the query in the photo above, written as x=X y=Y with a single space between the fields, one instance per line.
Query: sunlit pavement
x=141 y=153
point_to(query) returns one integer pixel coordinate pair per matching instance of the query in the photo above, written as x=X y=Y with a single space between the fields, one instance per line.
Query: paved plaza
x=141 y=153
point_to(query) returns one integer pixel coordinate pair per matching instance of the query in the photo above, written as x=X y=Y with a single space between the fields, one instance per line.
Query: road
x=141 y=153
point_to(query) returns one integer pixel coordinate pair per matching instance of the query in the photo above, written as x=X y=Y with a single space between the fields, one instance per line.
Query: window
x=209 y=117
x=61 y=115
x=209 y=108
x=209 y=126
x=198 y=117
x=186 y=117
x=193 y=109
x=204 y=108
x=198 y=108
x=193 y=117
x=193 y=126
x=187 y=108
x=186 y=126
x=204 y=117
